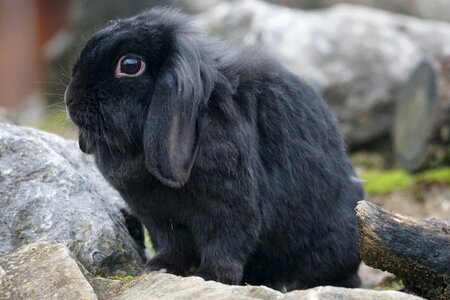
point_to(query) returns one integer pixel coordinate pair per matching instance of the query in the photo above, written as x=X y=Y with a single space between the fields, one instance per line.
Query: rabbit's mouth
x=83 y=118
x=82 y=113
x=81 y=107
x=90 y=140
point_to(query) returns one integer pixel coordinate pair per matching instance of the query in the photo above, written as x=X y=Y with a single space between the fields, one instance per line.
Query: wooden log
x=416 y=250
x=415 y=117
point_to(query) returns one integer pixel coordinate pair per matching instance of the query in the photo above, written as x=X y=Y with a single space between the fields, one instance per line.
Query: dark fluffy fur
x=234 y=165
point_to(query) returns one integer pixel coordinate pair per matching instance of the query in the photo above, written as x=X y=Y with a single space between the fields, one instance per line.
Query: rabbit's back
x=305 y=187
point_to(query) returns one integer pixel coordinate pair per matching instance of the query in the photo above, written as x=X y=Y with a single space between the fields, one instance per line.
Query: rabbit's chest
x=151 y=199
x=122 y=170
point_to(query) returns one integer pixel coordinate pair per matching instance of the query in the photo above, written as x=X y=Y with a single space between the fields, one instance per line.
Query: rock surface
x=429 y=9
x=48 y=271
x=358 y=57
x=51 y=191
x=166 y=286
x=43 y=271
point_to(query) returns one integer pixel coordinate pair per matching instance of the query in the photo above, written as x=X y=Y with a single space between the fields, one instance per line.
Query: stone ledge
x=50 y=271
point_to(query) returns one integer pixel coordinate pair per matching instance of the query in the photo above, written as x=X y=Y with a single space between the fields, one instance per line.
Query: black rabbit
x=234 y=165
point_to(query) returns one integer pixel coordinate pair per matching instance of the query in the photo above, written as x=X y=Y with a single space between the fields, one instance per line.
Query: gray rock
x=371 y=277
x=2 y=273
x=358 y=57
x=166 y=286
x=49 y=271
x=429 y=9
x=43 y=271
x=51 y=191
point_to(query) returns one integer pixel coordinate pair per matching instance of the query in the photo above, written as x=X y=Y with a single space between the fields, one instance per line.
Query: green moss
x=381 y=182
x=439 y=175
x=124 y=278
x=384 y=182
x=390 y=283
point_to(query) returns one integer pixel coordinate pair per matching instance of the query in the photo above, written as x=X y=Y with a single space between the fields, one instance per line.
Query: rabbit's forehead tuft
x=146 y=35
x=111 y=44
x=123 y=33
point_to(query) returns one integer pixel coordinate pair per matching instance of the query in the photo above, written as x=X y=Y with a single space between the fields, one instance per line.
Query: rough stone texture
x=43 y=271
x=428 y=9
x=51 y=191
x=166 y=286
x=358 y=57
x=49 y=271
x=371 y=277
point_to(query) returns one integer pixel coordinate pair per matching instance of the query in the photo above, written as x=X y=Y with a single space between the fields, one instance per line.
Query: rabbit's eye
x=130 y=66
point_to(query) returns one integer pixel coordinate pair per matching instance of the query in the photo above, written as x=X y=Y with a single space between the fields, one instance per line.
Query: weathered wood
x=417 y=250
x=415 y=117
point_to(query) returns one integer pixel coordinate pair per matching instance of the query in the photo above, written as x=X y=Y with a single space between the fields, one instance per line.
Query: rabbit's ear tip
x=170 y=180
x=174 y=184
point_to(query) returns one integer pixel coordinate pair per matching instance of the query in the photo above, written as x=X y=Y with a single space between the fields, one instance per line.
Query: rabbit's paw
x=228 y=274
x=168 y=263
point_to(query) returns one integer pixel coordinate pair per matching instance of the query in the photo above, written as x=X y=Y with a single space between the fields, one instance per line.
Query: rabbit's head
x=139 y=86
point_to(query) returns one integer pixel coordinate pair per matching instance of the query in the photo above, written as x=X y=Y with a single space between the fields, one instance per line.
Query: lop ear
x=171 y=130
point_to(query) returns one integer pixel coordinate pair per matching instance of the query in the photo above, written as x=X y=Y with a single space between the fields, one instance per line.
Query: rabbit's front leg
x=225 y=241
x=175 y=252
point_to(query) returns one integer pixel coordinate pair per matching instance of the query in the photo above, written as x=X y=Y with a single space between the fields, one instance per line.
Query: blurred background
x=383 y=66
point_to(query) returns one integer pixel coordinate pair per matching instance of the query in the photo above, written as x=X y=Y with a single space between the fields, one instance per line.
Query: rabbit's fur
x=234 y=165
